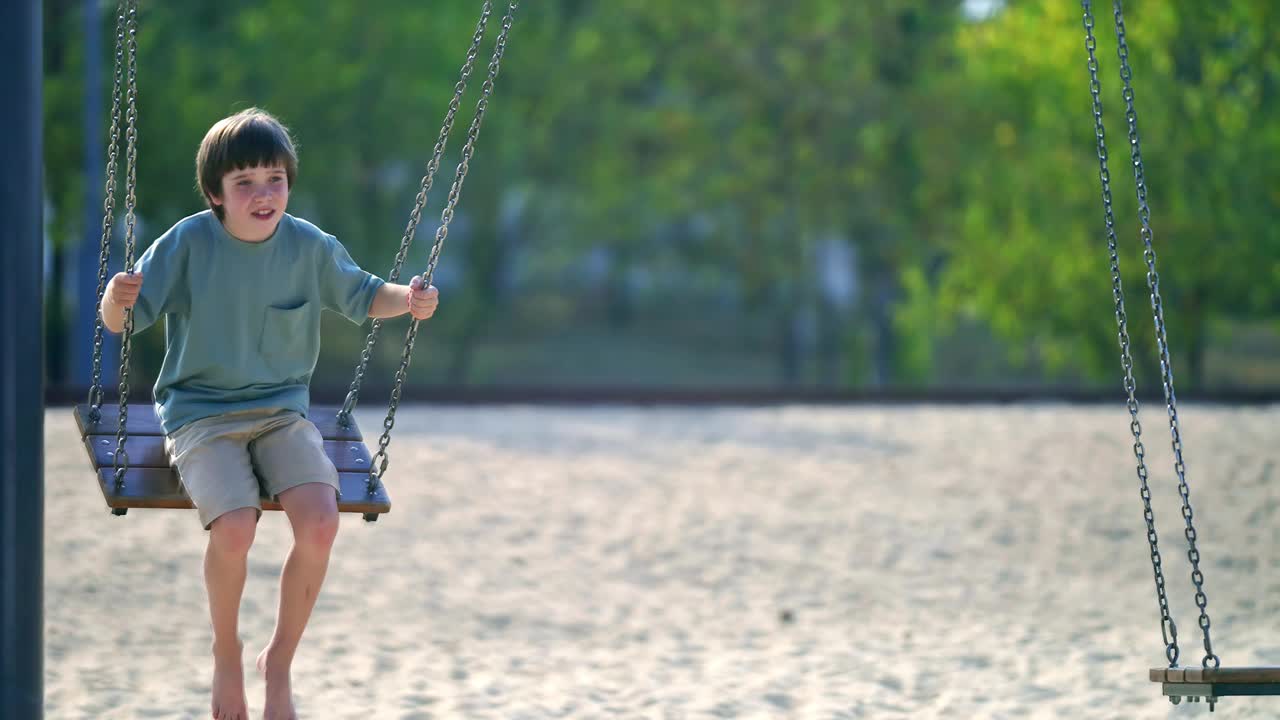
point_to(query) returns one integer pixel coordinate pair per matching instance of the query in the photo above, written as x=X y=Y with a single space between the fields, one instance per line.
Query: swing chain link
x=1167 y=627
x=1210 y=660
x=121 y=461
x=108 y=218
x=378 y=466
x=353 y=395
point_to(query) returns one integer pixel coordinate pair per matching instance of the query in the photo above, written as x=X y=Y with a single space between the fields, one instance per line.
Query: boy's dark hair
x=250 y=138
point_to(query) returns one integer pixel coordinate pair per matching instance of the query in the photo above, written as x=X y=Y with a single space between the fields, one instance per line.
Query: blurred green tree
x=1031 y=254
x=717 y=149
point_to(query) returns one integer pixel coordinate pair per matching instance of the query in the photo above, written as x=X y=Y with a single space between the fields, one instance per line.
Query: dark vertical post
x=21 y=364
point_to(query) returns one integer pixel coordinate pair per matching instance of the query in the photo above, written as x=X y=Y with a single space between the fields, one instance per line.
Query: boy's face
x=253 y=200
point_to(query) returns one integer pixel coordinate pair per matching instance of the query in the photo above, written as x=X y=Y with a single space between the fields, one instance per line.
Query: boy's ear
x=213 y=199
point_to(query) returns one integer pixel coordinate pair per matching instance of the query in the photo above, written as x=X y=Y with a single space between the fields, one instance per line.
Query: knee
x=233 y=532
x=318 y=531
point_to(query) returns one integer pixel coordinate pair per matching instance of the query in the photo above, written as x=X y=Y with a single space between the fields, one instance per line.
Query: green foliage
x=1033 y=257
x=712 y=144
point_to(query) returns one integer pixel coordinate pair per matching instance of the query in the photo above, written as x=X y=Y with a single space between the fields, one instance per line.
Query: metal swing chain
x=353 y=395
x=378 y=465
x=1157 y=308
x=108 y=217
x=1167 y=627
x=121 y=460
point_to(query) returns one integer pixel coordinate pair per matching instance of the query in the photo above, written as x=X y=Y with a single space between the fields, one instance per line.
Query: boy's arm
x=121 y=294
x=393 y=300
x=164 y=262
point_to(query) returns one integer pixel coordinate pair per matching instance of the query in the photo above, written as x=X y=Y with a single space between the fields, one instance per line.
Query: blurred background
x=818 y=197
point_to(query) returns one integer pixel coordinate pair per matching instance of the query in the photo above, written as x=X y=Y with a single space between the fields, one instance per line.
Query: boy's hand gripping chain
x=378 y=465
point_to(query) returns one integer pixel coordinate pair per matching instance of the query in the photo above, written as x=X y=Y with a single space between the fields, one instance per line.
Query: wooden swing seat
x=1212 y=683
x=150 y=482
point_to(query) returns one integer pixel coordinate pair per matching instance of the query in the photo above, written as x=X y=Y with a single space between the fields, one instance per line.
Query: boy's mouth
x=266 y=214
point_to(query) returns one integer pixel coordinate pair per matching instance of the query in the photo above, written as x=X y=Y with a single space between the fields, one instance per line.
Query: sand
x=795 y=562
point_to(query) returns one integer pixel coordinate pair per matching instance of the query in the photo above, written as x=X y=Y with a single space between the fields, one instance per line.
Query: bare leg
x=225 y=559
x=313 y=514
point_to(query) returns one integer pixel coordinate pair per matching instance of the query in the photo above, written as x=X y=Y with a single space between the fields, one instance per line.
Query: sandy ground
x=903 y=562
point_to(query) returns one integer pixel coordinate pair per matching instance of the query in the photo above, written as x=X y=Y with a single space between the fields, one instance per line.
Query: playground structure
x=21 y=366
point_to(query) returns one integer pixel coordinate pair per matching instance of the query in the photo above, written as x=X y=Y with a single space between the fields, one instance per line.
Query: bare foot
x=279 y=704
x=229 y=702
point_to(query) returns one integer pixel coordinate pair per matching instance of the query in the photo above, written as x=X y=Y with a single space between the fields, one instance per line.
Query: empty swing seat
x=150 y=482
x=1212 y=683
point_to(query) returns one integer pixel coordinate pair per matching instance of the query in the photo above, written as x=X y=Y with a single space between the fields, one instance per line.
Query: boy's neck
x=240 y=237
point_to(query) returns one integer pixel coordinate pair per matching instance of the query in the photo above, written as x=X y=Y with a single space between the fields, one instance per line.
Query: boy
x=241 y=286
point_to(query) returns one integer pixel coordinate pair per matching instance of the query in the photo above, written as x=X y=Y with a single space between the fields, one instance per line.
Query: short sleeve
x=163 y=269
x=345 y=288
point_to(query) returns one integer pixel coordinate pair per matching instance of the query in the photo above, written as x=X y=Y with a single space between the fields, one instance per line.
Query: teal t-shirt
x=242 y=320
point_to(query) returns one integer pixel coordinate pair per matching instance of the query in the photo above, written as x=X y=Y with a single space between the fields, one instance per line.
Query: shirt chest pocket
x=290 y=340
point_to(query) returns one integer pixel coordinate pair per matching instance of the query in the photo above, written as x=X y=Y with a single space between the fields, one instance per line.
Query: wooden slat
x=144 y=488
x=148 y=451
x=159 y=488
x=1218 y=676
x=150 y=483
x=1260 y=674
x=143 y=421
x=1212 y=684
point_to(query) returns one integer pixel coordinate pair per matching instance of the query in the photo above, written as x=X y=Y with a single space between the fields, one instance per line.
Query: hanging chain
x=353 y=395
x=121 y=461
x=378 y=465
x=1167 y=627
x=1157 y=309
x=108 y=219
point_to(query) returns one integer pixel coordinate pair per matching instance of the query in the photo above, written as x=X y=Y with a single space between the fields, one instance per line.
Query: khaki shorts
x=231 y=461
